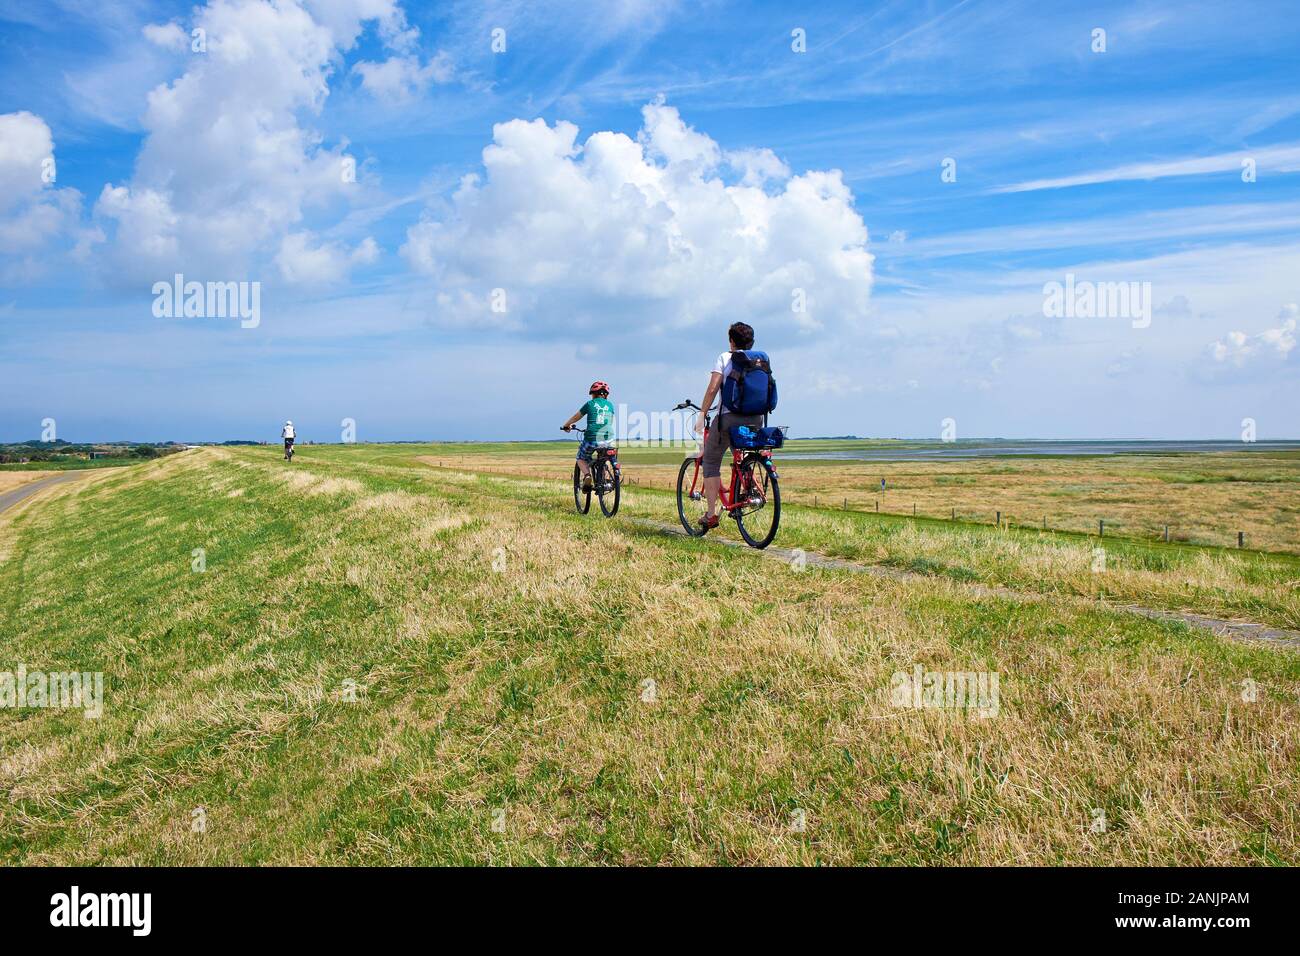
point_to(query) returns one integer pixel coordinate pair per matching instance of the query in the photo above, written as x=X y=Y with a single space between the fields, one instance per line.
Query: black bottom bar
x=333 y=906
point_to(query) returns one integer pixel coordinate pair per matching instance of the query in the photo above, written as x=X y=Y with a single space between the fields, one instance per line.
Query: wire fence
x=1169 y=533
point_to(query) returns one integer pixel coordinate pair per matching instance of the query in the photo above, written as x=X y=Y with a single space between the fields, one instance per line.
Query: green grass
x=500 y=646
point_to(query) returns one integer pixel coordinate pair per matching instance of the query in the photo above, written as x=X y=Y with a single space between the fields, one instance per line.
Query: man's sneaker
x=586 y=484
x=708 y=521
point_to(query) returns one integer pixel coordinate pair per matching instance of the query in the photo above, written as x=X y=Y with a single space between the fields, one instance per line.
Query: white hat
x=288 y=423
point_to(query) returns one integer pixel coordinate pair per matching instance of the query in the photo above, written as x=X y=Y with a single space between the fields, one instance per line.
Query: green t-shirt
x=600 y=419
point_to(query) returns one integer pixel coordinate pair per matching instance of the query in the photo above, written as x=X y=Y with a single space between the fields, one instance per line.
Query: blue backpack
x=750 y=389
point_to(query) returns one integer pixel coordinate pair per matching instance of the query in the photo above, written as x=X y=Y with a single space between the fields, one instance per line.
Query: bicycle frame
x=728 y=495
x=610 y=455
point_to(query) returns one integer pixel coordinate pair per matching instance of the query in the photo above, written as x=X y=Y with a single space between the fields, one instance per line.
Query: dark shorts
x=719 y=440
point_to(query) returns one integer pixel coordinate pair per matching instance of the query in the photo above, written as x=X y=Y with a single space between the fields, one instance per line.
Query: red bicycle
x=753 y=497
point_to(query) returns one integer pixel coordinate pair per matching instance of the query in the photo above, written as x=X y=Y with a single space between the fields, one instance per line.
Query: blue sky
x=600 y=198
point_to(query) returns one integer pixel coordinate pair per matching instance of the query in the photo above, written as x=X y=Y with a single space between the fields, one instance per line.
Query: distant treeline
x=62 y=451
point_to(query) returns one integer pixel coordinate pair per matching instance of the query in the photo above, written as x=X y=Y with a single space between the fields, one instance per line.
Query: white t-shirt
x=287 y=432
x=723 y=367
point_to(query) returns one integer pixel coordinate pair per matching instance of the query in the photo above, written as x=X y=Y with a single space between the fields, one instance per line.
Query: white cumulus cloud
x=229 y=168
x=304 y=261
x=401 y=78
x=169 y=36
x=1239 y=349
x=35 y=214
x=645 y=232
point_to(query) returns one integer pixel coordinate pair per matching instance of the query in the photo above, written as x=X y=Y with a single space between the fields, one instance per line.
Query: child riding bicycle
x=599 y=432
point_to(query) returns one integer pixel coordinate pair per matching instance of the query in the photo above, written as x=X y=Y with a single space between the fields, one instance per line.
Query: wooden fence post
x=1101 y=528
x=1166 y=534
x=998 y=521
x=1241 y=539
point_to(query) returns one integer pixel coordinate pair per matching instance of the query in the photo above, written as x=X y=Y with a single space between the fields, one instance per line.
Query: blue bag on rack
x=749 y=438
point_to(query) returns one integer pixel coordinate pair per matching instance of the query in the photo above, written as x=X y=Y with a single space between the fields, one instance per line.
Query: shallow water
x=960 y=450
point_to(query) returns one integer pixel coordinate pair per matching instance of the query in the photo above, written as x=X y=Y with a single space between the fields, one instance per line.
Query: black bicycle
x=606 y=481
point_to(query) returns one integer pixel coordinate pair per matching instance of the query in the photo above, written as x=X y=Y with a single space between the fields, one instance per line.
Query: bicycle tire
x=689 y=510
x=772 y=505
x=608 y=486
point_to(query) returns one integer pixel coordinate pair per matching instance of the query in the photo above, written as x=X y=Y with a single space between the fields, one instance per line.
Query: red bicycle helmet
x=598 y=387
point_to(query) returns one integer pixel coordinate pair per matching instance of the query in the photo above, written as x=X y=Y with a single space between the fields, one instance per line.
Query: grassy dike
x=500 y=648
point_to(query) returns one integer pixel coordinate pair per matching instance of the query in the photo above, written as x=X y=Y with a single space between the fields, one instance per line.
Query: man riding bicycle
x=599 y=432
x=740 y=337
x=287 y=433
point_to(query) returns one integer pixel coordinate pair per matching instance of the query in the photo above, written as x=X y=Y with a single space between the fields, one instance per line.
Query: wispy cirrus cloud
x=1282 y=159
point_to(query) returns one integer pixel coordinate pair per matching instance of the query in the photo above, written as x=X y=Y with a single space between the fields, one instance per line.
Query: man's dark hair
x=741 y=335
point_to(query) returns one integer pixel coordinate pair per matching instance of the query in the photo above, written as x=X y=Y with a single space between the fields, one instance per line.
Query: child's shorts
x=588 y=448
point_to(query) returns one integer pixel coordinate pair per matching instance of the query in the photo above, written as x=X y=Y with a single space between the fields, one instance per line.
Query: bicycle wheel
x=758 y=513
x=691 y=504
x=608 y=488
x=581 y=499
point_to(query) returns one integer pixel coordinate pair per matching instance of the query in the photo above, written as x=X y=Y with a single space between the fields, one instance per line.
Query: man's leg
x=712 y=488
x=715 y=449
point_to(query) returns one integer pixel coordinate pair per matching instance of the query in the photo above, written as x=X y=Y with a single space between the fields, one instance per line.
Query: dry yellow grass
x=9 y=480
x=1204 y=498
x=500 y=648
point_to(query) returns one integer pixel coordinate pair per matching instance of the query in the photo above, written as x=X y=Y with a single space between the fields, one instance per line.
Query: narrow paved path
x=10 y=498
x=1237 y=630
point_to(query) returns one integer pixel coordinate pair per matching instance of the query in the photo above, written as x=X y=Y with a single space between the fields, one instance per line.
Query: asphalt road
x=10 y=498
